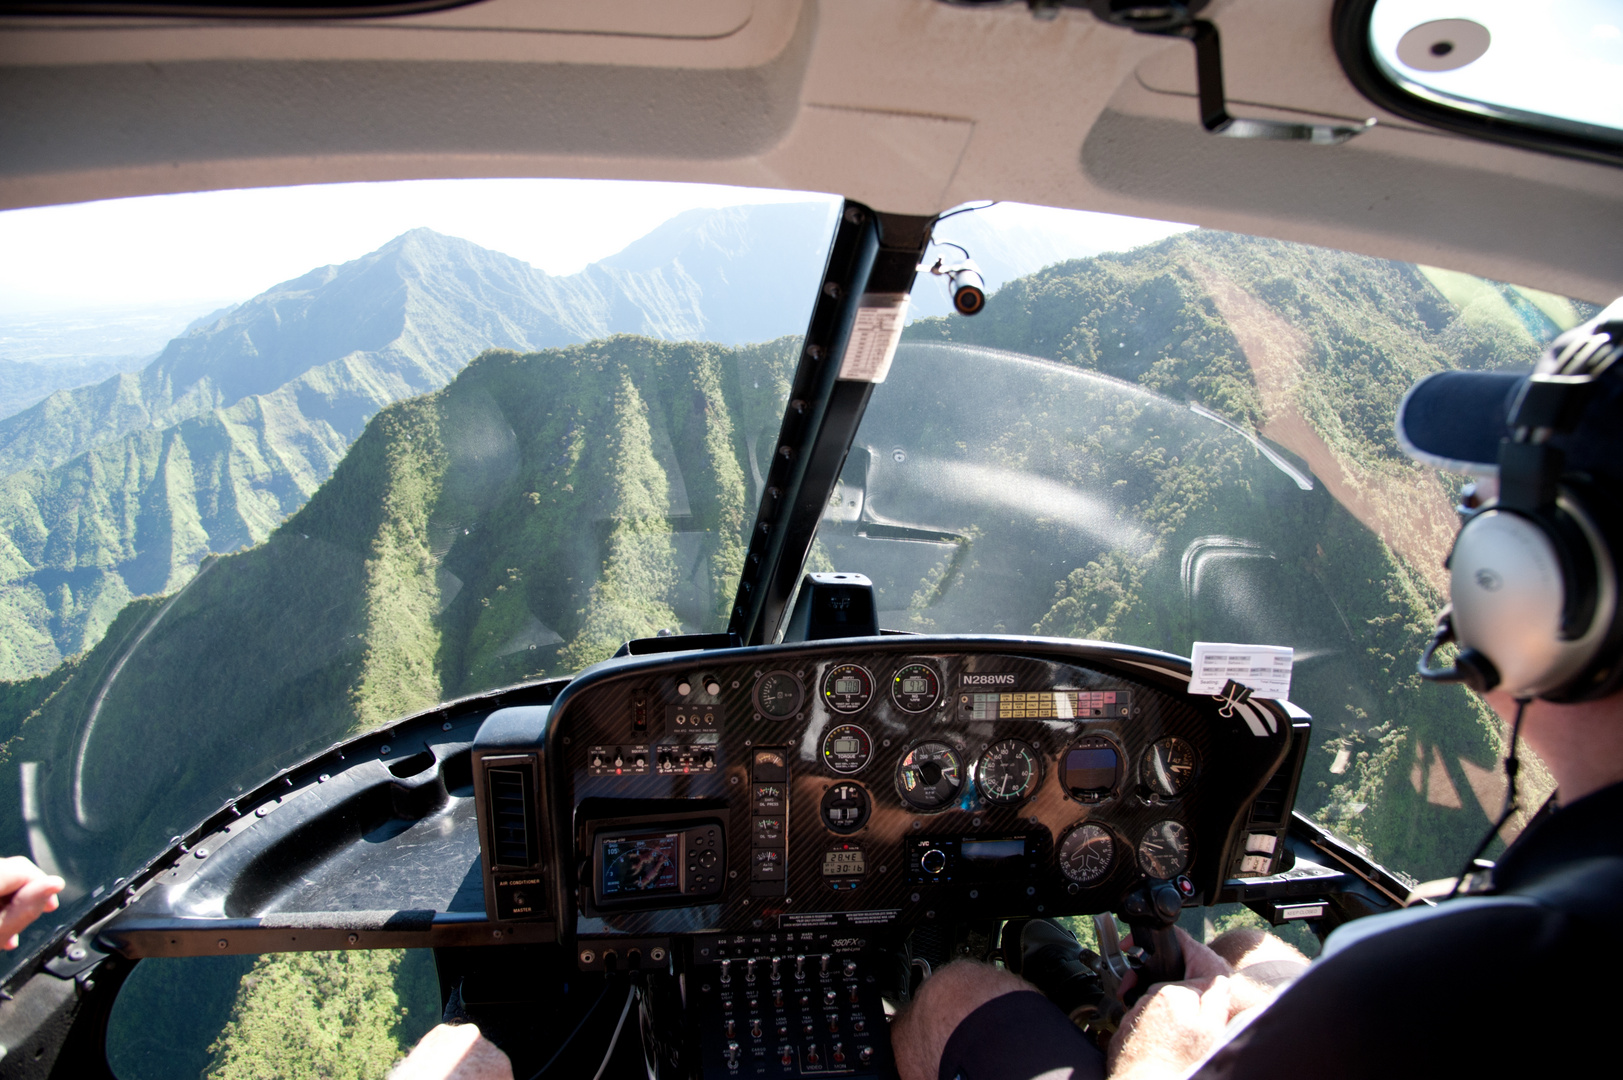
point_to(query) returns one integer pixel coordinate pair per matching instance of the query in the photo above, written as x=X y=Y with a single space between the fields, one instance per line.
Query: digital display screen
x=992 y=850
x=844 y=864
x=915 y=686
x=848 y=746
x=848 y=686
x=1090 y=768
x=641 y=864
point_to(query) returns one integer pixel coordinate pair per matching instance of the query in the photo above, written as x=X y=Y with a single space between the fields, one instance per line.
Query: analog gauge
x=778 y=695
x=1168 y=766
x=847 y=748
x=916 y=688
x=847 y=688
x=929 y=776
x=1086 y=854
x=1163 y=852
x=1009 y=771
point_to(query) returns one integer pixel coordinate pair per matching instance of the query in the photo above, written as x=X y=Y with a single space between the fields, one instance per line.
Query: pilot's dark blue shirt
x=1525 y=981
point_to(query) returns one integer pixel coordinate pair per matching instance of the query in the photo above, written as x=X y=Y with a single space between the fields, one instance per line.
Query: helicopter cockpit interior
x=874 y=636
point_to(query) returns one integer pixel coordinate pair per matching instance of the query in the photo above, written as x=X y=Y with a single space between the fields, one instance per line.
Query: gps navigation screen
x=640 y=864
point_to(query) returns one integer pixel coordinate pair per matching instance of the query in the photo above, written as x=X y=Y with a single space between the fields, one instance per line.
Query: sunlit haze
x=219 y=247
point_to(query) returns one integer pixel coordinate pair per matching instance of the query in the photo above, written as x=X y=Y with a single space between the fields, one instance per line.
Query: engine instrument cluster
x=883 y=782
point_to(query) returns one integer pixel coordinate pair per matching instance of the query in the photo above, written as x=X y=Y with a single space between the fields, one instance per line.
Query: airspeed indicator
x=1008 y=772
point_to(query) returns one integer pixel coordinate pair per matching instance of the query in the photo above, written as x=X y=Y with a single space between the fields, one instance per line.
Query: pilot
x=1521 y=976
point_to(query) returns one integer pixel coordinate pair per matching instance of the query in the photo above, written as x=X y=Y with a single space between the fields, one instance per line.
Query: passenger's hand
x=454 y=1052
x=26 y=893
x=1176 y=1024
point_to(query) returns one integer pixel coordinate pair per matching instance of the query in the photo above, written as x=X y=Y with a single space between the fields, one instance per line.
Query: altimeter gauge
x=1164 y=850
x=929 y=776
x=1168 y=766
x=1008 y=772
x=1087 y=853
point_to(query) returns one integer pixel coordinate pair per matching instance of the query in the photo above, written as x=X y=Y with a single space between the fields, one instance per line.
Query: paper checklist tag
x=873 y=342
x=1264 y=669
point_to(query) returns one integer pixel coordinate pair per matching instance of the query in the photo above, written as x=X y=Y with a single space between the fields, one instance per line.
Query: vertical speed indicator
x=847 y=688
x=915 y=688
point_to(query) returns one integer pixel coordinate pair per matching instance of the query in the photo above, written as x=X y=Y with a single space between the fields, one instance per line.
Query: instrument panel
x=868 y=783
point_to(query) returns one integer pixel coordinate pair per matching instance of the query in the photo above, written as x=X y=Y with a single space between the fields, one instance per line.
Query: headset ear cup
x=1595 y=522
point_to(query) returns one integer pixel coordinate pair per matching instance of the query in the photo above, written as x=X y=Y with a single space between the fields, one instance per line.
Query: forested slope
x=1313 y=349
x=122 y=489
x=521 y=522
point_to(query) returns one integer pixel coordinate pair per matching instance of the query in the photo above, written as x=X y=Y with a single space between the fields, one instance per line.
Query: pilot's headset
x=1534 y=571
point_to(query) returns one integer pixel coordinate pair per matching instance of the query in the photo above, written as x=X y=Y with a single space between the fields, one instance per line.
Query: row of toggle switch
x=848 y=968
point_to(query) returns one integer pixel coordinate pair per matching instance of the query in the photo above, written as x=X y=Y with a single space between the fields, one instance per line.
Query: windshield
x=1193 y=441
x=422 y=471
x=474 y=449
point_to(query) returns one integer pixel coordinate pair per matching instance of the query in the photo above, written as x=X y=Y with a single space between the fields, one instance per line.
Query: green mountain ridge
x=523 y=521
x=122 y=489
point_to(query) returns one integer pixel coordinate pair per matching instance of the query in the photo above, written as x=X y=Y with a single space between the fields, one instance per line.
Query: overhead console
x=884 y=782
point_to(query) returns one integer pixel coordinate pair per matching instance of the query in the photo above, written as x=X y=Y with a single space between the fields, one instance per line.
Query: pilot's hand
x=454 y=1052
x=1199 y=962
x=1176 y=1024
x=26 y=893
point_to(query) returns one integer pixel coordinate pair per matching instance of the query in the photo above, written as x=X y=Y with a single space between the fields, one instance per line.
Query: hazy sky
x=224 y=246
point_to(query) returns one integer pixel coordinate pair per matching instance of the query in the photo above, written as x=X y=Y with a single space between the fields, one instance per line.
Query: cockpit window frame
x=1350 y=34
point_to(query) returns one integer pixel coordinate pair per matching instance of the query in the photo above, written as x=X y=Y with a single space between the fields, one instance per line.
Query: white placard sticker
x=874 y=337
x=1264 y=669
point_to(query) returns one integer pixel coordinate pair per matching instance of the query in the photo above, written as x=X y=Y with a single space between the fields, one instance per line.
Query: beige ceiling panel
x=900 y=162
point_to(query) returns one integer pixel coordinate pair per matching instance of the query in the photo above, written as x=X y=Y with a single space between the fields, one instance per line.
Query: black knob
x=933 y=861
